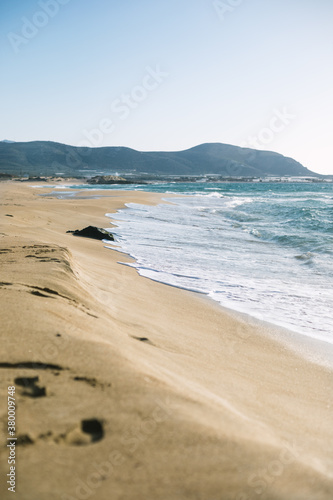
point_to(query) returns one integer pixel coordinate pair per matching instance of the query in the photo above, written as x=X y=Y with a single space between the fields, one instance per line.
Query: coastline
x=194 y=401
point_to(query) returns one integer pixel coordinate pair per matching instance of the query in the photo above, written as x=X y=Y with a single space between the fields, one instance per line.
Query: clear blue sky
x=170 y=74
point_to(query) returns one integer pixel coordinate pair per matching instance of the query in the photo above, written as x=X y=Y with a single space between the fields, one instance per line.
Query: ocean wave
x=246 y=247
x=305 y=256
x=214 y=194
x=255 y=233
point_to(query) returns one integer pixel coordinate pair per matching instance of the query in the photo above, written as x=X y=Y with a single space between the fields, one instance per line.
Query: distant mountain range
x=51 y=158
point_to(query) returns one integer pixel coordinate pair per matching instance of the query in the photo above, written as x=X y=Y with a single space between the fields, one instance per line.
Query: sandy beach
x=131 y=389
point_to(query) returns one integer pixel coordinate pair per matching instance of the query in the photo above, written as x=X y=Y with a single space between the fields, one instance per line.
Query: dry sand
x=144 y=391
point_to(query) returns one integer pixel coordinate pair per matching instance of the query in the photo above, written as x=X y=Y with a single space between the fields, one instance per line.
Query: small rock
x=93 y=232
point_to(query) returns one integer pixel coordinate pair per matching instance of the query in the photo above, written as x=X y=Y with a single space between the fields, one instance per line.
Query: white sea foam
x=260 y=254
x=214 y=194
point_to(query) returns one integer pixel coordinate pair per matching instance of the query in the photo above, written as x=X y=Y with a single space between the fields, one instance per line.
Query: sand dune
x=129 y=389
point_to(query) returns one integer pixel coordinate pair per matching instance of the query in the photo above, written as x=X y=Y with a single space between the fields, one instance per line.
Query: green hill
x=50 y=158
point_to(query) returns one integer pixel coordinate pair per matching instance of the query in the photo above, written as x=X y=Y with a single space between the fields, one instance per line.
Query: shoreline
x=315 y=349
x=223 y=400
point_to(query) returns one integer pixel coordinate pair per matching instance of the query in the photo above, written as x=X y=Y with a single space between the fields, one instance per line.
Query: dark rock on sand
x=93 y=232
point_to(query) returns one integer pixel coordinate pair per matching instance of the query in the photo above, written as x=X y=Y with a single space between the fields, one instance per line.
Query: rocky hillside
x=51 y=158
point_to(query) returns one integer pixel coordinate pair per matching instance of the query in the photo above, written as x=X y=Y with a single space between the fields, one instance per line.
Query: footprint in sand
x=30 y=385
x=90 y=431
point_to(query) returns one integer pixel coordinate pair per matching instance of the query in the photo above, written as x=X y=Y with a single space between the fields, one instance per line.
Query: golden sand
x=144 y=391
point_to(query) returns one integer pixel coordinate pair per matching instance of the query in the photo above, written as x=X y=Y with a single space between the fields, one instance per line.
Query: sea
x=261 y=248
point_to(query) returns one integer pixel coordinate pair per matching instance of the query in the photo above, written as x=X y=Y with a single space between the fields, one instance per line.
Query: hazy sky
x=170 y=74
